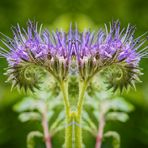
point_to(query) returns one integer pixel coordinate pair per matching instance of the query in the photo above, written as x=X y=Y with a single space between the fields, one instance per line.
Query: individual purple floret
x=86 y=53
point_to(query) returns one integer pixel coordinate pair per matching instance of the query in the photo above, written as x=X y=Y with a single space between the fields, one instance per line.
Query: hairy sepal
x=25 y=76
x=122 y=76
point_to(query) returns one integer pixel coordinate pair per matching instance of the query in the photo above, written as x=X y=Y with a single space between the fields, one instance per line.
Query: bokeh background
x=87 y=13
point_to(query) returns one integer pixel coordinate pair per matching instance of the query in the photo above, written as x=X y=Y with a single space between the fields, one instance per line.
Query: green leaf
x=119 y=116
x=50 y=115
x=88 y=121
x=96 y=114
x=30 y=138
x=28 y=103
x=58 y=124
x=116 y=104
x=28 y=116
x=120 y=104
x=115 y=136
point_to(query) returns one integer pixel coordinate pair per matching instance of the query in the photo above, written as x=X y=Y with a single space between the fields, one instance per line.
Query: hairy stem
x=64 y=90
x=69 y=133
x=78 y=128
x=82 y=89
x=101 y=129
x=78 y=132
x=73 y=119
x=68 y=128
x=45 y=129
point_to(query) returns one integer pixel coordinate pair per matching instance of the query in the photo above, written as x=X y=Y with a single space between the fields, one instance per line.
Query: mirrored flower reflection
x=78 y=53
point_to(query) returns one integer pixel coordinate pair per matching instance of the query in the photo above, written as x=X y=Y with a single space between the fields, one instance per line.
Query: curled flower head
x=31 y=51
x=113 y=50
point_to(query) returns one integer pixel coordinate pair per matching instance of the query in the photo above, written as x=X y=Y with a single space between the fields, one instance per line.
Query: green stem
x=68 y=128
x=82 y=88
x=73 y=119
x=78 y=128
x=64 y=89
x=69 y=133
x=78 y=132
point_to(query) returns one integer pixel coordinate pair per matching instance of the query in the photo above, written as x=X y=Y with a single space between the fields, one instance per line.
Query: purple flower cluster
x=89 y=51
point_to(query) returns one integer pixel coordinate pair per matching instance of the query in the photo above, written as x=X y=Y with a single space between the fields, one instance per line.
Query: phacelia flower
x=85 y=53
x=114 y=51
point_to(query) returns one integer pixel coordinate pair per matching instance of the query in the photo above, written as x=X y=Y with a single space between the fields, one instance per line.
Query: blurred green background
x=87 y=13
